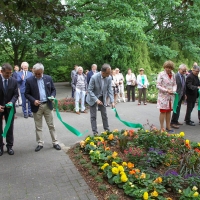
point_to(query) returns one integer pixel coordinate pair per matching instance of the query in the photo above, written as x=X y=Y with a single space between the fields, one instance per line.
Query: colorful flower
x=132 y=171
x=181 y=134
x=82 y=143
x=187 y=142
x=111 y=137
x=130 y=165
x=107 y=148
x=154 y=194
x=145 y=196
x=143 y=176
x=124 y=164
x=114 y=164
x=115 y=170
x=120 y=168
x=196 y=194
x=125 y=133
x=194 y=188
x=158 y=180
x=104 y=166
x=114 y=155
x=124 y=178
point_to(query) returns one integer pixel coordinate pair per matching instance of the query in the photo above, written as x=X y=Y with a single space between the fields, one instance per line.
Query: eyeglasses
x=183 y=71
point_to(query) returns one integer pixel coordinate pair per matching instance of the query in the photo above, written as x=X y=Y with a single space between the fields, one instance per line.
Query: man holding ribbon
x=180 y=82
x=21 y=79
x=8 y=96
x=98 y=90
x=40 y=91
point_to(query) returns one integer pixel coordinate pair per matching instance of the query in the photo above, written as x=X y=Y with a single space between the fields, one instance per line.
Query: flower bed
x=144 y=164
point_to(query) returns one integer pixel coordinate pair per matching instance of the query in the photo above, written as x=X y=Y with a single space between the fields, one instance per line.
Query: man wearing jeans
x=38 y=90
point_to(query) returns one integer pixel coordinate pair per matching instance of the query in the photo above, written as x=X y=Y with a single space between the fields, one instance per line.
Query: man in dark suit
x=91 y=72
x=180 y=82
x=21 y=78
x=38 y=88
x=192 y=86
x=8 y=94
x=98 y=90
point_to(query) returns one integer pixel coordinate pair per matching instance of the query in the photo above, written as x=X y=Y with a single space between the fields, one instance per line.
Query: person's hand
x=170 y=91
x=113 y=105
x=37 y=103
x=99 y=102
x=52 y=98
x=2 y=108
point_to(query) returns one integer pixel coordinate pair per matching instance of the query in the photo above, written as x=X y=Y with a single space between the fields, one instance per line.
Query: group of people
x=81 y=80
x=187 y=87
x=39 y=90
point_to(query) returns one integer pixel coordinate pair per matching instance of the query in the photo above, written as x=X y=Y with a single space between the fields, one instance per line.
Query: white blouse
x=130 y=78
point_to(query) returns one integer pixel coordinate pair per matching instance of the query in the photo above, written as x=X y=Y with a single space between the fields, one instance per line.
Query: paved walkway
x=50 y=174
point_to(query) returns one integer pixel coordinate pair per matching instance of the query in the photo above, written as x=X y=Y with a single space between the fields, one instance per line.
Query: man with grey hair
x=79 y=84
x=91 y=72
x=98 y=90
x=192 y=87
x=180 y=81
x=22 y=76
x=40 y=91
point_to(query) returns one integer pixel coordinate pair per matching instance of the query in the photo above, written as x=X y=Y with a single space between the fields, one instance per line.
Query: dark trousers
x=93 y=117
x=142 y=91
x=130 y=89
x=190 y=106
x=72 y=92
x=24 y=108
x=9 y=136
x=175 y=116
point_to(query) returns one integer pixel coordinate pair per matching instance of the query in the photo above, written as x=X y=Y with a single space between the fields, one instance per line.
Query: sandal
x=145 y=103
x=139 y=104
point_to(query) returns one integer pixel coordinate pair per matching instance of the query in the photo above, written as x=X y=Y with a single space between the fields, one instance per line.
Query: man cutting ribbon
x=8 y=95
x=38 y=88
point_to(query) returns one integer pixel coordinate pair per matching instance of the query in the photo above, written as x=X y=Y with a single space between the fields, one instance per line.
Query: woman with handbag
x=142 y=84
x=130 y=85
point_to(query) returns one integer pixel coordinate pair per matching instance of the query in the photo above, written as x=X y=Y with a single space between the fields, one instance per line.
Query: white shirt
x=130 y=78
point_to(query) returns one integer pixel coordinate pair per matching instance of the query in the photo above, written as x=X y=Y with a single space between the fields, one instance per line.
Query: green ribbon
x=9 y=120
x=129 y=124
x=70 y=128
x=176 y=100
x=199 y=100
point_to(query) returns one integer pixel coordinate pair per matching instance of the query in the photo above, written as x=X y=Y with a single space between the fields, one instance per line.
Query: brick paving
x=50 y=174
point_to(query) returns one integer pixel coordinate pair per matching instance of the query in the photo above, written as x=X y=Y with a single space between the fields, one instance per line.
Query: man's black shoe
x=38 y=148
x=57 y=146
x=30 y=115
x=95 y=133
x=190 y=123
x=25 y=116
x=10 y=151
x=1 y=151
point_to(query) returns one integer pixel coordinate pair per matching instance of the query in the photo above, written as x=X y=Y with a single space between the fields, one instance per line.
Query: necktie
x=25 y=73
x=6 y=85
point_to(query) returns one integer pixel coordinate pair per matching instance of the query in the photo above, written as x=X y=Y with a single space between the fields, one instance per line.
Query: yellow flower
x=111 y=137
x=121 y=169
x=115 y=170
x=107 y=148
x=179 y=191
x=91 y=151
x=147 y=131
x=187 y=141
x=145 y=196
x=116 y=130
x=104 y=166
x=158 y=180
x=124 y=178
x=124 y=164
x=137 y=170
x=82 y=143
x=114 y=164
x=194 y=188
x=196 y=194
x=143 y=175
x=125 y=133
x=87 y=139
x=199 y=144
x=168 y=198
x=92 y=143
x=101 y=139
x=154 y=194
x=114 y=155
x=182 y=134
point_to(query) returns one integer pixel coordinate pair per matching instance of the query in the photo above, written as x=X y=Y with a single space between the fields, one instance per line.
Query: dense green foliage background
x=125 y=33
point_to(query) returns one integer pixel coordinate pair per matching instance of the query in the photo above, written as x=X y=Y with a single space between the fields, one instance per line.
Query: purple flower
x=171 y=172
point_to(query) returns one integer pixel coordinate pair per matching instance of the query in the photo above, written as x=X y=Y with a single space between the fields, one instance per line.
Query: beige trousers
x=38 y=116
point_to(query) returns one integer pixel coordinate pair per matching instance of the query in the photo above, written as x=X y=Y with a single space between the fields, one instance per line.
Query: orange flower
x=158 y=180
x=131 y=132
x=130 y=165
x=111 y=137
x=137 y=170
x=107 y=148
x=132 y=171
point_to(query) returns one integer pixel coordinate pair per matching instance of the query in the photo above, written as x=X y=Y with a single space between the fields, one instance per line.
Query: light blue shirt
x=41 y=88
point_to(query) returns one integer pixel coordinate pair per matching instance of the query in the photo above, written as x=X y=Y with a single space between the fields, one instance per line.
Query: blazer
x=89 y=75
x=192 y=83
x=95 y=89
x=179 y=85
x=74 y=81
x=32 y=91
x=164 y=83
x=12 y=93
x=21 y=82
